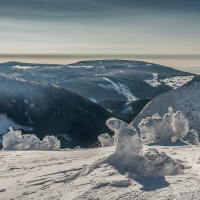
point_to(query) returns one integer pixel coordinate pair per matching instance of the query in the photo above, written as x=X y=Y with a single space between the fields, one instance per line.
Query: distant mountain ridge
x=106 y=80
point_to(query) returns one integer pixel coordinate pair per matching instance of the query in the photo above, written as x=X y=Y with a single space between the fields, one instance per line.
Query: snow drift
x=134 y=160
x=171 y=127
x=14 y=140
x=185 y=99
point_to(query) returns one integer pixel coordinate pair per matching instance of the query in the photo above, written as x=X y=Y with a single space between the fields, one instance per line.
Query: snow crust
x=14 y=140
x=105 y=140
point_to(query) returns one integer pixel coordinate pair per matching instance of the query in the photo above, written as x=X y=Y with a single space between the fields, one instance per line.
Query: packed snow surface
x=72 y=174
x=14 y=140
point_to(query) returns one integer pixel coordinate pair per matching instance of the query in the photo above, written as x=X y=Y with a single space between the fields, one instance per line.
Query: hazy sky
x=100 y=27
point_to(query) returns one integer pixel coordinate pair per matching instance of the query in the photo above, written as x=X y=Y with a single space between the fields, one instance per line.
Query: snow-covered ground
x=73 y=174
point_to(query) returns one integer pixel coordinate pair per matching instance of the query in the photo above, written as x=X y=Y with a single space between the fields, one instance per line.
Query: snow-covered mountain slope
x=45 y=109
x=72 y=175
x=105 y=80
x=185 y=99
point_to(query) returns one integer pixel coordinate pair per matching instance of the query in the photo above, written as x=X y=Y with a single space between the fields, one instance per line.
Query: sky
x=99 y=27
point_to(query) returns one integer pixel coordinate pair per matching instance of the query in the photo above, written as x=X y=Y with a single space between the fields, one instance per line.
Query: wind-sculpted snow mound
x=186 y=100
x=14 y=140
x=105 y=140
x=171 y=127
x=132 y=160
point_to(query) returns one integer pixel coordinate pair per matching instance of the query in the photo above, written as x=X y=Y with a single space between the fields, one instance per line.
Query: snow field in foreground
x=74 y=174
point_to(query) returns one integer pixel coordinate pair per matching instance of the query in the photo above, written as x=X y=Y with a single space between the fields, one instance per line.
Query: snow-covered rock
x=105 y=140
x=14 y=140
x=185 y=99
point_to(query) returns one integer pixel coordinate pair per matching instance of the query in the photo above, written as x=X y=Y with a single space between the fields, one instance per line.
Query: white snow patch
x=153 y=81
x=14 y=140
x=64 y=136
x=121 y=88
x=127 y=108
x=177 y=81
x=70 y=79
x=23 y=67
x=93 y=99
x=81 y=66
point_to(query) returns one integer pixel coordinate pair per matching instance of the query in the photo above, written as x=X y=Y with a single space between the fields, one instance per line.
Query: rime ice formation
x=171 y=127
x=192 y=137
x=130 y=158
x=127 y=139
x=185 y=99
x=14 y=140
x=105 y=140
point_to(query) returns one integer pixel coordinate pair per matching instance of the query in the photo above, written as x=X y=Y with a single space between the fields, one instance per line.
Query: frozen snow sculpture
x=105 y=140
x=129 y=157
x=127 y=140
x=180 y=125
x=156 y=129
x=14 y=140
x=171 y=127
x=55 y=143
x=159 y=163
x=192 y=137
